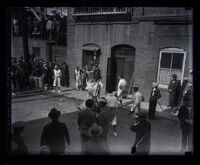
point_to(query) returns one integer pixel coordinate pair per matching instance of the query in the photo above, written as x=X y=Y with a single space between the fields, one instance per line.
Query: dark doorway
x=122 y=62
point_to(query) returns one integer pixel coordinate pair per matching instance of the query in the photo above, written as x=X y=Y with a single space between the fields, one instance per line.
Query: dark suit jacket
x=141 y=129
x=86 y=118
x=175 y=87
x=182 y=116
x=156 y=95
x=54 y=135
x=104 y=119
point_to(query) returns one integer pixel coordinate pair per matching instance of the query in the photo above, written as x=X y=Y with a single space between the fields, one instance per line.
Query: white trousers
x=56 y=82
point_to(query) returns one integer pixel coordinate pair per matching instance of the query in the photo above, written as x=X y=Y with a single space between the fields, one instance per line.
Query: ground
x=34 y=108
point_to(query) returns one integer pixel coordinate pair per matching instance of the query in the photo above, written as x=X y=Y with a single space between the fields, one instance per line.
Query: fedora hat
x=174 y=76
x=95 y=130
x=135 y=86
x=54 y=113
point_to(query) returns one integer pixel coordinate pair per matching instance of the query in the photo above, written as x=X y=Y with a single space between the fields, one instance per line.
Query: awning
x=91 y=48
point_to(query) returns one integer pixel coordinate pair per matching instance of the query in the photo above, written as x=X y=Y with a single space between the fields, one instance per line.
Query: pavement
x=58 y=100
x=33 y=108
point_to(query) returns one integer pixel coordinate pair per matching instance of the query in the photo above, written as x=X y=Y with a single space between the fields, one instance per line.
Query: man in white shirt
x=121 y=88
x=77 y=76
x=57 y=77
x=137 y=99
x=112 y=104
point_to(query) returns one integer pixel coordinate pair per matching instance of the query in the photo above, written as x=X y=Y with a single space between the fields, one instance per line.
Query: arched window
x=91 y=52
x=171 y=61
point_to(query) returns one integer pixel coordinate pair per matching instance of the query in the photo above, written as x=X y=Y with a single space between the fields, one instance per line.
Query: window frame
x=171 y=50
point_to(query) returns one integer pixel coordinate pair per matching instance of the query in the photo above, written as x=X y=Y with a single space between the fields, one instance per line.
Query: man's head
x=135 y=87
x=155 y=84
x=174 y=76
x=142 y=115
x=89 y=103
x=54 y=114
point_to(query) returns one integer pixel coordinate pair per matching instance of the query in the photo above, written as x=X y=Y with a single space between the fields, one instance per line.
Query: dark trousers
x=187 y=139
x=64 y=81
x=173 y=99
x=152 y=109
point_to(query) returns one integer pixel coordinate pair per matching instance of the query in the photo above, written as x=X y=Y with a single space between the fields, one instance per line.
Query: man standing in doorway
x=121 y=88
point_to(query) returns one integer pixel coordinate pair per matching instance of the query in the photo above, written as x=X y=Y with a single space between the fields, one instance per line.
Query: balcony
x=99 y=14
x=112 y=14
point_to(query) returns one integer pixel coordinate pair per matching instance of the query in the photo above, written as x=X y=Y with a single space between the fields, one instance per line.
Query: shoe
x=13 y=94
x=53 y=91
x=59 y=91
x=115 y=134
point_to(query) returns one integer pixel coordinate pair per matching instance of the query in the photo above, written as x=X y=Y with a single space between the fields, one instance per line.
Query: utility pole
x=25 y=43
x=24 y=36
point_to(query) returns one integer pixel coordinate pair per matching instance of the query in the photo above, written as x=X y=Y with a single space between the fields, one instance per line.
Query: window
x=172 y=61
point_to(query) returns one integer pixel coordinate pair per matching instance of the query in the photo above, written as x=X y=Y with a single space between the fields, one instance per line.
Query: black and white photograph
x=101 y=80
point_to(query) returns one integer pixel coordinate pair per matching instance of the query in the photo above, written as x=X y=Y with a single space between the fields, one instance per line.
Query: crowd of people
x=89 y=78
x=22 y=74
x=98 y=114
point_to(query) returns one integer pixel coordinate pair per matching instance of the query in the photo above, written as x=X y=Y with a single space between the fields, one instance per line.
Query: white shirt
x=57 y=73
x=122 y=83
x=111 y=101
x=137 y=98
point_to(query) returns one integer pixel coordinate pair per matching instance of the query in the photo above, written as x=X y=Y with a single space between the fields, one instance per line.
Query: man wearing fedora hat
x=174 y=91
x=142 y=128
x=154 y=96
x=96 y=145
x=55 y=134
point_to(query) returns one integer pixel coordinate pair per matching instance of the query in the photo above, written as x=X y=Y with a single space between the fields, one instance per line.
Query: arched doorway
x=122 y=62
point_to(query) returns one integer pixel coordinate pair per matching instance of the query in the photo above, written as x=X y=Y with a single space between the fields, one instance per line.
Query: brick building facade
x=150 y=42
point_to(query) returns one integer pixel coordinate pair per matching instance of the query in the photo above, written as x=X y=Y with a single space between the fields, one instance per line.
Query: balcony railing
x=98 y=10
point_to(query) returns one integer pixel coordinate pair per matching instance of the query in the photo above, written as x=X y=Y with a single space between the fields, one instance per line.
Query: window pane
x=177 y=61
x=165 y=60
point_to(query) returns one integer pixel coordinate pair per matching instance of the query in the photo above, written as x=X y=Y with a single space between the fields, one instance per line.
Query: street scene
x=101 y=81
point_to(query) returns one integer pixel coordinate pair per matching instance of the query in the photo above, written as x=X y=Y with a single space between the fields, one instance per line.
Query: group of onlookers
x=23 y=75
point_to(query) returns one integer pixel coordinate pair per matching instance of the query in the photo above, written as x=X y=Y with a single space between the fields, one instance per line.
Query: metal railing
x=133 y=11
x=98 y=10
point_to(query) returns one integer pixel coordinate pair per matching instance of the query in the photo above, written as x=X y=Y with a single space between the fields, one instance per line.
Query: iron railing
x=98 y=10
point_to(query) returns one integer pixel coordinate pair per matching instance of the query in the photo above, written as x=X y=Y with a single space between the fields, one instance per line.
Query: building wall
x=17 y=47
x=146 y=37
